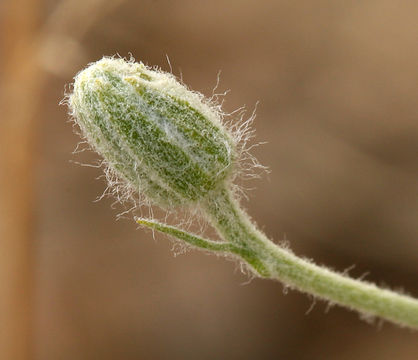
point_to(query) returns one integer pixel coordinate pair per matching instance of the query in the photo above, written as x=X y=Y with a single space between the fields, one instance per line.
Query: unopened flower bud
x=161 y=138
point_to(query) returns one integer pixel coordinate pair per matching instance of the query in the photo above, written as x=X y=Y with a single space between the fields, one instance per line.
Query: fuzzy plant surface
x=169 y=144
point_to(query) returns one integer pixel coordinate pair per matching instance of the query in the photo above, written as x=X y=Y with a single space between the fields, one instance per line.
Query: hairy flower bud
x=168 y=143
x=164 y=140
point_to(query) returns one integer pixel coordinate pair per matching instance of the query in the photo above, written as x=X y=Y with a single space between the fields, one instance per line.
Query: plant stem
x=270 y=260
x=191 y=239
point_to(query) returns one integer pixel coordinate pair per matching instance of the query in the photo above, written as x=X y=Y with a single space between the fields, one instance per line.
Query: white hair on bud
x=237 y=125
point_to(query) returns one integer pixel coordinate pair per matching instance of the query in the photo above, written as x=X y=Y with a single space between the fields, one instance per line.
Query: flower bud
x=162 y=139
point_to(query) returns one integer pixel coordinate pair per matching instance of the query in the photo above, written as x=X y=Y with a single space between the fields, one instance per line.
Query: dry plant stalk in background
x=31 y=51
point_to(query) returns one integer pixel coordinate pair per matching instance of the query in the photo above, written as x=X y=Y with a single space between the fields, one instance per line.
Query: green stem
x=191 y=239
x=272 y=261
x=202 y=243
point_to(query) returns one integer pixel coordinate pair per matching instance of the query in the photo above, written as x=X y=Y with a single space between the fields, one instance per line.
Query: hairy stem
x=193 y=240
x=235 y=226
x=243 y=239
x=202 y=243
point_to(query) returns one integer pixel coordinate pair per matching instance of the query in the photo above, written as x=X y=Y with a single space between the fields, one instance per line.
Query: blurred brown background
x=337 y=85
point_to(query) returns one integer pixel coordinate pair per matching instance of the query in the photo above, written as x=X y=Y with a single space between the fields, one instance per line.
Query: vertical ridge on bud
x=157 y=135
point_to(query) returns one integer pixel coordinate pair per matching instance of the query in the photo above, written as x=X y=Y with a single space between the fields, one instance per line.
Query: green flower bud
x=162 y=139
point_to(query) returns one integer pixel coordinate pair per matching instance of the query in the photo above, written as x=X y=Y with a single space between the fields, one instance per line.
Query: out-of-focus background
x=337 y=86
